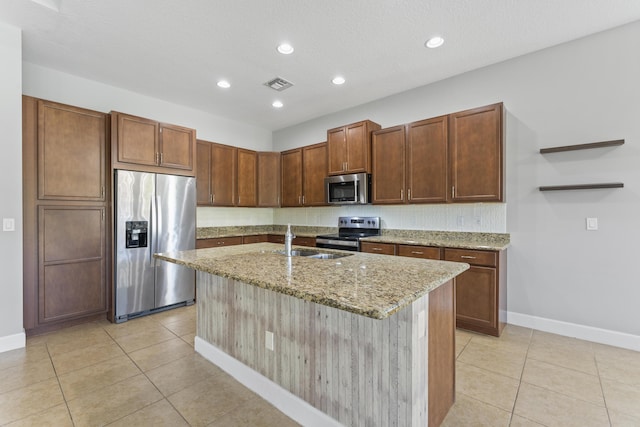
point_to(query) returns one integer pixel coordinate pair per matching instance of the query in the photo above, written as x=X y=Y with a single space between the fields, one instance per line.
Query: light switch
x=592 y=224
x=8 y=224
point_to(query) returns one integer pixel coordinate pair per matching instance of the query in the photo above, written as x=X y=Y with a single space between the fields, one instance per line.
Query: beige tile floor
x=145 y=373
x=532 y=378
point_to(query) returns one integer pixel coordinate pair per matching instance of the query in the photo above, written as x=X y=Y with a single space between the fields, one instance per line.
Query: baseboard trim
x=588 y=333
x=286 y=402
x=12 y=342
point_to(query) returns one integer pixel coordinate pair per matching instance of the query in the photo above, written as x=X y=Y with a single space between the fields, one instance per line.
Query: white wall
x=583 y=91
x=11 y=331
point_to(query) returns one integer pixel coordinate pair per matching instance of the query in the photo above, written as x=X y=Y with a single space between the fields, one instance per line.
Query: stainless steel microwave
x=352 y=189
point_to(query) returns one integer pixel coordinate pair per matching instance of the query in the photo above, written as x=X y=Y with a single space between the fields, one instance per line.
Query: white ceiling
x=176 y=50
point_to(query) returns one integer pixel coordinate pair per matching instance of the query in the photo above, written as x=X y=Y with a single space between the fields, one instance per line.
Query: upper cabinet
x=349 y=148
x=149 y=146
x=71 y=150
x=247 y=178
x=268 y=179
x=454 y=158
x=303 y=173
x=477 y=154
x=216 y=178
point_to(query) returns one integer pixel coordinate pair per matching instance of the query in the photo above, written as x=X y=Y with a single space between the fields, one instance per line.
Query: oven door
x=333 y=243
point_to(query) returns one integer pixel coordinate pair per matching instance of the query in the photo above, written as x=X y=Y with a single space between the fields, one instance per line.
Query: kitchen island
x=365 y=339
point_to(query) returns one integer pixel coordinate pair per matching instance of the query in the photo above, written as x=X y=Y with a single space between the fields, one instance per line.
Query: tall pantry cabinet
x=66 y=216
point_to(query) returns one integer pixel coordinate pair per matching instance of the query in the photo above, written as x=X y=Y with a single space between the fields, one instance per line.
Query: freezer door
x=175 y=231
x=134 y=269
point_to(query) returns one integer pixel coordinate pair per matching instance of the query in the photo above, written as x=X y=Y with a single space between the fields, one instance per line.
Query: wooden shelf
x=582 y=186
x=582 y=146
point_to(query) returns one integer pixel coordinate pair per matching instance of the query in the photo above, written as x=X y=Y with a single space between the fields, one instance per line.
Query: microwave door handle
x=355 y=191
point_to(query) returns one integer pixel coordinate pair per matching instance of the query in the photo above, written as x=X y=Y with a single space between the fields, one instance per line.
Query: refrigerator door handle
x=153 y=208
x=156 y=226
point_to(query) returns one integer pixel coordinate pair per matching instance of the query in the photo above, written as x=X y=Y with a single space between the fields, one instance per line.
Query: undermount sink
x=311 y=253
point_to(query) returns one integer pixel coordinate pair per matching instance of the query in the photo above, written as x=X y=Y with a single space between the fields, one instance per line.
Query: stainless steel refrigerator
x=154 y=213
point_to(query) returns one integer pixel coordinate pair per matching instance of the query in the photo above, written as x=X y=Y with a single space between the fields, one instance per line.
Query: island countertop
x=370 y=285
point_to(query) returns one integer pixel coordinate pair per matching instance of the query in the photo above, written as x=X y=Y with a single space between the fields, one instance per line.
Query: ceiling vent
x=278 y=84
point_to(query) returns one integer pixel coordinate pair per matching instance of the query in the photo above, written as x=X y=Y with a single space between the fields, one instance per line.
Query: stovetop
x=355 y=227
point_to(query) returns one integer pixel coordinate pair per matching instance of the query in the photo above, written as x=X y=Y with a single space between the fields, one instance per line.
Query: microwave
x=352 y=189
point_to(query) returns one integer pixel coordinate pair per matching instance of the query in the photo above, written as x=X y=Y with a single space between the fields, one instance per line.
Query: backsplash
x=476 y=217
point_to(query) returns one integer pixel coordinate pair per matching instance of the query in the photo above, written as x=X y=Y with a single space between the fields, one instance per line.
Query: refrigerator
x=153 y=213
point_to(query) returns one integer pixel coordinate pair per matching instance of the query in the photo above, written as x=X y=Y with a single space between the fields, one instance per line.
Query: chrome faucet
x=288 y=239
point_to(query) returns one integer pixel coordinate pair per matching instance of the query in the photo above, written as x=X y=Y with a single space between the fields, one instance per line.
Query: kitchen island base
x=357 y=370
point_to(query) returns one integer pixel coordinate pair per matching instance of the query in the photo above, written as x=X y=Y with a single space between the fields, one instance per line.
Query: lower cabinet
x=426 y=252
x=256 y=238
x=481 y=294
x=378 y=248
x=218 y=241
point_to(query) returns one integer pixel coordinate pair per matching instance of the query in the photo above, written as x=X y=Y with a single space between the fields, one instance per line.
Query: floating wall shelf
x=601 y=144
x=582 y=146
x=582 y=186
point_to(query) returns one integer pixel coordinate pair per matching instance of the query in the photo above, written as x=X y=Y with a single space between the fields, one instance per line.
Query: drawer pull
x=417 y=252
x=377 y=249
x=467 y=257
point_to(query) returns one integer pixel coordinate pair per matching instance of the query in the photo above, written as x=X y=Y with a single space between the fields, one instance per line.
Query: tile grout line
x=64 y=397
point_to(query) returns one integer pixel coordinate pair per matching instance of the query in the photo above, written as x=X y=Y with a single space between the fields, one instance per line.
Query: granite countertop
x=371 y=285
x=448 y=239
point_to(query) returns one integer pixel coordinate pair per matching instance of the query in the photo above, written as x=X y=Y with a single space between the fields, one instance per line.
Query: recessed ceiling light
x=338 y=80
x=277 y=104
x=285 y=49
x=224 y=84
x=434 y=42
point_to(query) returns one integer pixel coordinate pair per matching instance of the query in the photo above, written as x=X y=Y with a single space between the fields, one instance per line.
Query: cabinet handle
x=377 y=249
x=102 y=192
x=213 y=198
x=344 y=166
x=401 y=194
x=299 y=200
x=303 y=200
x=157 y=158
x=467 y=257
x=409 y=194
x=453 y=191
x=161 y=157
x=417 y=252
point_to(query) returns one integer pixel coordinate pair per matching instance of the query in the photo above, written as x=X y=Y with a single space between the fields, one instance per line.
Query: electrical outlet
x=592 y=224
x=268 y=340
x=8 y=224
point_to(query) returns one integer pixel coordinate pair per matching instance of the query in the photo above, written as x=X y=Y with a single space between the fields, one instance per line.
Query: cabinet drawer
x=378 y=248
x=275 y=238
x=305 y=241
x=426 y=252
x=258 y=238
x=217 y=242
x=486 y=258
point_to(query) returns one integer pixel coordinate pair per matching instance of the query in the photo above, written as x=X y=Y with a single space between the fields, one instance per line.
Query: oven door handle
x=351 y=243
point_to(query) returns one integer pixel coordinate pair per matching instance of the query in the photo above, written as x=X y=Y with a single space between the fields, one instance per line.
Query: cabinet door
x=292 y=178
x=358 y=141
x=203 y=173
x=427 y=160
x=176 y=146
x=223 y=174
x=247 y=178
x=337 y=150
x=378 y=248
x=304 y=241
x=72 y=262
x=476 y=144
x=268 y=179
x=71 y=153
x=218 y=242
x=476 y=298
x=137 y=140
x=387 y=148
x=314 y=171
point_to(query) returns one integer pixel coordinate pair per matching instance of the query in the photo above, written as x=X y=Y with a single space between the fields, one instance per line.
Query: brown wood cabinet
x=303 y=173
x=388 y=165
x=268 y=179
x=415 y=251
x=256 y=238
x=349 y=148
x=427 y=161
x=291 y=194
x=65 y=211
x=216 y=174
x=218 y=242
x=477 y=154
x=481 y=294
x=247 y=178
x=149 y=146
x=378 y=248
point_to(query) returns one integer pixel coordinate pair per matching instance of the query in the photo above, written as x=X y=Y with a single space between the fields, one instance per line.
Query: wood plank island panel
x=355 y=369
